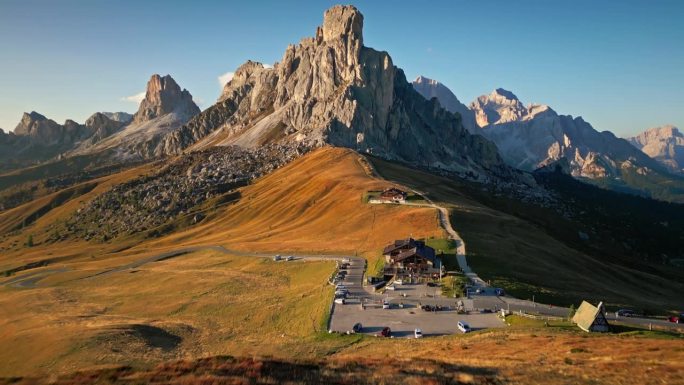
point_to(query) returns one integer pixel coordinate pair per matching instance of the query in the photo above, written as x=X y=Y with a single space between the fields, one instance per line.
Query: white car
x=340 y=287
x=398 y=282
x=345 y=260
x=464 y=327
x=418 y=333
x=289 y=258
x=391 y=287
x=340 y=301
x=277 y=258
x=385 y=304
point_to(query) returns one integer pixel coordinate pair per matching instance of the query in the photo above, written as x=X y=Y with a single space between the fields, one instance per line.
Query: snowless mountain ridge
x=664 y=144
x=534 y=136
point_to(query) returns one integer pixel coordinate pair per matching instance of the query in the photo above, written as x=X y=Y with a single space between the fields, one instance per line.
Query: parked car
x=340 y=287
x=357 y=327
x=432 y=308
x=464 y=327
x=386 y=332
x=340 y=301
x=385 y=304
x=339 y=293
x=289 y=258
x=431 y=284
x=398 y=282
x=391 y=287
x=500 y=292
x=625 y=313
x=418 y=333
x=346 y=260
x=676 y=319
x=277 y=258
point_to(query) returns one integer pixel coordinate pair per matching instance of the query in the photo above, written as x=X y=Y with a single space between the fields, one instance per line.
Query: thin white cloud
x=225 y=78
x=268 y=66
x=199 y=101
x=137 y=98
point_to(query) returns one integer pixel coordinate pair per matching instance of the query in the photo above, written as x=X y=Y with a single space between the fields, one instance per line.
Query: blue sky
x=619 y=64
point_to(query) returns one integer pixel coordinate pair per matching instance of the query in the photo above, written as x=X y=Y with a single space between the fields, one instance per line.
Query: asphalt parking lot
x=402 y=321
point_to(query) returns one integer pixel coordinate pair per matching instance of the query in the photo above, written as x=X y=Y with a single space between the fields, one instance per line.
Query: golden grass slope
x=313 y=205
x=195 y=305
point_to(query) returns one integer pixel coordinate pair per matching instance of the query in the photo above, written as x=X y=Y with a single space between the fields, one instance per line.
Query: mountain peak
x=425 y=80
x=342 y=22
x=164 y=96
x=504 y=93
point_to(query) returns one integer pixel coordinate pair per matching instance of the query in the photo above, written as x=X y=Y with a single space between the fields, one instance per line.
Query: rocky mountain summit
x=430 y=88
x=165 y=108
x=664 y=144
x=534 y=135
x=164 y=96
x=331 y=89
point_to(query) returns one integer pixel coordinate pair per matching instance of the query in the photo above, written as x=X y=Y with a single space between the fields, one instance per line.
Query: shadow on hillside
x=230 y=370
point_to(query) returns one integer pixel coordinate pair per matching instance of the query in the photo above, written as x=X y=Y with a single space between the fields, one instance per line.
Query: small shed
x=591 y=318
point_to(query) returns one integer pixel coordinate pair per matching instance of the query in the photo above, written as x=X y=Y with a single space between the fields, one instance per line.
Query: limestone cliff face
x=331 y=89
x=166 y=107
x=164 y=96
x=664 y=144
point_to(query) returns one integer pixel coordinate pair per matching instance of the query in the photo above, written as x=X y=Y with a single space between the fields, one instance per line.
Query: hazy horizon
x=619 y=67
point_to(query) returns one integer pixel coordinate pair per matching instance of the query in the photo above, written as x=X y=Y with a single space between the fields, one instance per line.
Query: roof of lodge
x=414 y=248
x=393 y=192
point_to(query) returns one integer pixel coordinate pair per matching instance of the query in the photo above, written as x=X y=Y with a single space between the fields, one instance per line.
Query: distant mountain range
x=116 y=135
x=534 y=136
x=330 y=89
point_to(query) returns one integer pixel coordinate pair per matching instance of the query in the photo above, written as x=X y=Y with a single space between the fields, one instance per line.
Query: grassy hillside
x=531 y=250
x=313 y=205
x=71 y=315
x=194 y=305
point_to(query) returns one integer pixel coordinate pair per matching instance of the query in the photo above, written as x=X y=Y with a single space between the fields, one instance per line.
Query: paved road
x=31 y=279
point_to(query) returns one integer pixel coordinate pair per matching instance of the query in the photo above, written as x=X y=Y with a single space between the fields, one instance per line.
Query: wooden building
x=392 y=195
x=410 y=254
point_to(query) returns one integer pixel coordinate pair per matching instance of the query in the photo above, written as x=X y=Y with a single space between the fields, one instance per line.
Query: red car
x=676 y=319
x=386 y=332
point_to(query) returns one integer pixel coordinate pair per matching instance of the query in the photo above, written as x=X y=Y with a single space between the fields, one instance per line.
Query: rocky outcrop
x=177 y=189
x=166 y=107
x=664 y=144
x=500 y=106
x=41 y=130
x=430 y=88
x=164 y=96
x=331 y=89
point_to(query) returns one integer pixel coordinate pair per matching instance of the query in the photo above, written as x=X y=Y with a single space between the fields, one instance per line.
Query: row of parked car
x=281 y=258
x=341 y=290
